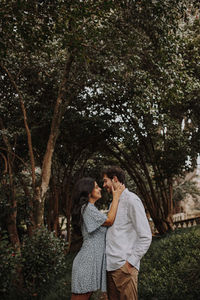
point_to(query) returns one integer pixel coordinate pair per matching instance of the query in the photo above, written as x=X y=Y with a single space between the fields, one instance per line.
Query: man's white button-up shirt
x=129 y=238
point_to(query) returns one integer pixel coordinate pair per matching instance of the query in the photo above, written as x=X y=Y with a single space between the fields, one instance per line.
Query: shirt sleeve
x=93 y=218
x=140 y=224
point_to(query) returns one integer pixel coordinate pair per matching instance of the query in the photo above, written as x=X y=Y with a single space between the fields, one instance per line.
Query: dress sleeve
x=93 y=218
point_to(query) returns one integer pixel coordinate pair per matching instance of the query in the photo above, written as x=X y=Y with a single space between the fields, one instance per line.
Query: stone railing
x=187 y=222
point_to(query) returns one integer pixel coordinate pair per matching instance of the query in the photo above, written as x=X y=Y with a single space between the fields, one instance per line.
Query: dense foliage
x=42 y=261
x=170 y=269
x=129 y=67
x=149 y=98
x=8 y=268
x=84 y=84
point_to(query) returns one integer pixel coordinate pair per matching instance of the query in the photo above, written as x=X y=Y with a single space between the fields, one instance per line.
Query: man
x=127 y=240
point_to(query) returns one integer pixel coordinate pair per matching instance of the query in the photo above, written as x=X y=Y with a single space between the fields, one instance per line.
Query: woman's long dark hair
x=80 y=197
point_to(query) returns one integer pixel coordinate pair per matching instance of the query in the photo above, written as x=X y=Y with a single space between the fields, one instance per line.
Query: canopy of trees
x=88 y=83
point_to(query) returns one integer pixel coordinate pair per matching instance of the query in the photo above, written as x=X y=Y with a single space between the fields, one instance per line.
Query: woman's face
x=96 y=192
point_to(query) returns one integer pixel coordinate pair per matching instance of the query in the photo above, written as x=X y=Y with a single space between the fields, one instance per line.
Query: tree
x=122 y=61
x=44 y=56
x=142 y=93
x=80 y=140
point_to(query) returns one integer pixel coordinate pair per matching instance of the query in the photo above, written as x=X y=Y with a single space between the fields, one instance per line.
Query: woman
x=89 y=269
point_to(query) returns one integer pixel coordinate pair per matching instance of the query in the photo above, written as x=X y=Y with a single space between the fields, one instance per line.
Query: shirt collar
x=123 y=194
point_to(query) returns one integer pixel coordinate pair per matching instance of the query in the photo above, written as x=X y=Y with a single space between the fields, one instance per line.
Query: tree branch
x=47 y=161
x=25 y=123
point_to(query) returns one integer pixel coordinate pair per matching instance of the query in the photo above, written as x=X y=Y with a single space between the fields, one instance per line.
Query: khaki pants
x=121 y=284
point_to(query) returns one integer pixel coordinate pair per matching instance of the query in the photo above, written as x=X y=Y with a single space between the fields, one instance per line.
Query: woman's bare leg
x=81 y=296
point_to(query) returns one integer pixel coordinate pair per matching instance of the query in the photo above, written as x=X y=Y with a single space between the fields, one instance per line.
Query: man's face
x=107 y=183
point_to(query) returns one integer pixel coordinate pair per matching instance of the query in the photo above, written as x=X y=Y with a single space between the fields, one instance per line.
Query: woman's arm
x=114 y=205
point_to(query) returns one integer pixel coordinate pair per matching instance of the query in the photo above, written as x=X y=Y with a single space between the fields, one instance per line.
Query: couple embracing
x=113 y=243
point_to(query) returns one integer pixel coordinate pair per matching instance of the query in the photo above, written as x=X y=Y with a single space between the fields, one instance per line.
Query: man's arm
x=141 y=226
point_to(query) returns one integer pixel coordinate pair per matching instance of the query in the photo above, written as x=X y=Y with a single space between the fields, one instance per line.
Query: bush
x=43 y=262
x=62 y=288
x=9 y=263
x=170 y=269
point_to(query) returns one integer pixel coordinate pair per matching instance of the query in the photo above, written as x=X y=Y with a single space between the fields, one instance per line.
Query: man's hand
x=129 y=266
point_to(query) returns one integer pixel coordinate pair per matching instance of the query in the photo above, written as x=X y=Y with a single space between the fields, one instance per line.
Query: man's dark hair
x=112 y=171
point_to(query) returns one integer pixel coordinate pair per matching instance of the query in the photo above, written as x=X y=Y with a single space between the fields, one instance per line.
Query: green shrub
x=43 y=262
x=170 y=269
x=61 y=290
x=9 y=261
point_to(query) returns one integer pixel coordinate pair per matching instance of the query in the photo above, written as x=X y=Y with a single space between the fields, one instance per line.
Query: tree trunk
x=12 y=225
x=30 y=211
x=55 y=206
x=40 y=190
x=47 y=161
x=159 y=204
x=67 y=203
x=50 y=212
x=68 y=215
x=69 y=229
x=12 y=214
x=11 y=222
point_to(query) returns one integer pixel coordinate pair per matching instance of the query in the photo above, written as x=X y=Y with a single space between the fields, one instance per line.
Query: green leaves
x=170 y=270
x=134 y=78
x=44 y=261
